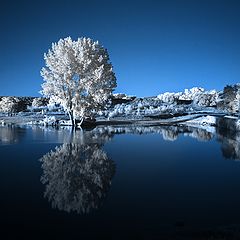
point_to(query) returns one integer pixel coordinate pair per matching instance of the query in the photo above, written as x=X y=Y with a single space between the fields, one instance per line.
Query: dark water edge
x=120 y=183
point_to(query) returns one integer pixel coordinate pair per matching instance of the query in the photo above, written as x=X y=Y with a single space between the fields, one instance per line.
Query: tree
x=79 y=76
x=9 y=104
x=40 y=102
x=229 y=99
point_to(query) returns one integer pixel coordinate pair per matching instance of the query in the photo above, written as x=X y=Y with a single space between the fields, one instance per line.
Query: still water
x=117 y=182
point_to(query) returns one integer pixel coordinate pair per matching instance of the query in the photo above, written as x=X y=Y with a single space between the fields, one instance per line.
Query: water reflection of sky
x=144 y=177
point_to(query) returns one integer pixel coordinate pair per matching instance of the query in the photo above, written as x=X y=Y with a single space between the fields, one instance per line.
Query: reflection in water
x=229 y=137
x=77 y=175
x=169 y=133
x=230 y=149
x=159 y=184
x=200 y=134
x=66 y=135
x=9 y=134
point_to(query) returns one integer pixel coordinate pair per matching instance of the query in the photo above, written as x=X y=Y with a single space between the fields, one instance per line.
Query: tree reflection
x=229 y=137
x=77 y=175
x=230 y=149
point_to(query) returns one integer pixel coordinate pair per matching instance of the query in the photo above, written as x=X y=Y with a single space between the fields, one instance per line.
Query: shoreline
x=144 y=121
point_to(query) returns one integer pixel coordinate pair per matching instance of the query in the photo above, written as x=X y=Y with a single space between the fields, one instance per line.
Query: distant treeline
x=12 y=104
x=227 y=100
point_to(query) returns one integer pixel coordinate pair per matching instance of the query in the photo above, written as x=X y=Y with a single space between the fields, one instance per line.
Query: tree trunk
x=81 y=121
x=74 y=121
x=72 y=118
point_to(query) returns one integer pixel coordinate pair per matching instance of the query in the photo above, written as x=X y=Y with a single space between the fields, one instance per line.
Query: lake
x=118 y=182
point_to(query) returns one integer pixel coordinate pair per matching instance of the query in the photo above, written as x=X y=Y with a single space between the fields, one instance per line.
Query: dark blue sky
x=155 y=46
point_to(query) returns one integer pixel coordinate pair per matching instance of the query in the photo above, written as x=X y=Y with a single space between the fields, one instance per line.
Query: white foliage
x=167 y=97
x=49 y=120
x=8 y=104
x=238 y=125
x=53 y=105
x=207 y=99
x=196 y=94
x=78 y=75
x=39 y=102
x=207 y=120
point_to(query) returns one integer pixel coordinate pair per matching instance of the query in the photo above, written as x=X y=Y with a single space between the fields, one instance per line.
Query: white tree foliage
x=196 y=94
x=229 y=99
x=79 y=76
x=9 y=104
x=39 y=102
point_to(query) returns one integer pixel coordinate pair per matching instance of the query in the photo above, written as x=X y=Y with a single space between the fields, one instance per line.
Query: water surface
x=117 y=182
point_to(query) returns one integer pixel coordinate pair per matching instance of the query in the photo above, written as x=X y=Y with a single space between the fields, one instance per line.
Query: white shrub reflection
x=169 y=133
x=78 y=173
